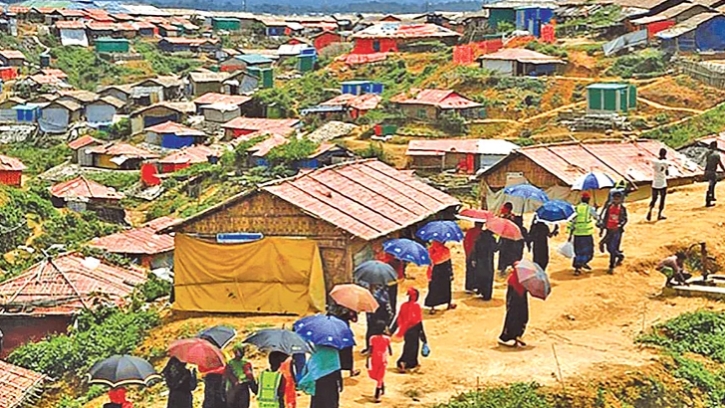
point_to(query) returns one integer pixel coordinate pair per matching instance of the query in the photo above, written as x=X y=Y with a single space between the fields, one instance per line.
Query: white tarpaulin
x=74 y=37
x=54 y=120
x=625 y=41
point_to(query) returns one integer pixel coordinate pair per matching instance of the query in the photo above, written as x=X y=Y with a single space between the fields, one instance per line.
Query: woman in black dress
x=181 y=382
x=347 y=362
x=409 y=326
x=440 y=276
x=482 y=263
x=517 y=313
x=538 y=241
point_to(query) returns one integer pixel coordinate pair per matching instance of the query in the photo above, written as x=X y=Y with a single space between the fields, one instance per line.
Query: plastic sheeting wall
x=74 y=37
x=627 y=40
x=498 y=66
x=710 y=35
x=100 y=115
x=54 y=120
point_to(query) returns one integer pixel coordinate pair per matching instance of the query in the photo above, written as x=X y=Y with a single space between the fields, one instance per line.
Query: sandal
x=433 y=311
x=452 y=306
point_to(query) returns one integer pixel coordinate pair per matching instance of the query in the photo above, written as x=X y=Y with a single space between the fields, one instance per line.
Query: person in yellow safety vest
x=581 y=229
x=272 y=383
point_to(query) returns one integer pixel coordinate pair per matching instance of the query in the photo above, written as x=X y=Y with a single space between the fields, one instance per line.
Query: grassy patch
x=520 y=395
x=53 y=153
x=165 y=64
x=120 y=180
x=680 y=134
x=86 y=70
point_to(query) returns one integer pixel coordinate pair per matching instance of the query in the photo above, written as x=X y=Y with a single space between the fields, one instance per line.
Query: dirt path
x=591 y=320
x=668 y=108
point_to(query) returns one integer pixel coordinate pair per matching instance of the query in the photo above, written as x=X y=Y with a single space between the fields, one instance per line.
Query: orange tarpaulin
x=273 y=275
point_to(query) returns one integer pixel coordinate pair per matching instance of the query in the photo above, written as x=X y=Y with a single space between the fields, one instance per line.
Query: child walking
x=378 y=358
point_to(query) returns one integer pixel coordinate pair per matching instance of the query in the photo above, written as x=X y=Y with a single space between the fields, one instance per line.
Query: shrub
x=452 y=123
x=646 y=63
x=73 y=229
x=118 y=332
x=86 y=70
x=677 y=135
x=294 y=150
x=548 y=49
x=165 y=64
x=54 y=153
x=701 y=332
x=519 y=395
x=120 y=180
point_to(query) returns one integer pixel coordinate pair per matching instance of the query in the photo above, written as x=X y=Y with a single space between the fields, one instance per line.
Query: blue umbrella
x=555 y=211
x=375 y=273
x=527 y=192
x=441 y=231
x=407 y=250
x=592 y=181
x=327 y=331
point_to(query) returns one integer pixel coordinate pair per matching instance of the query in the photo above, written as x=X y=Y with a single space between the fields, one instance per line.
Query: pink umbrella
x=533 y=278
x=476 y=215
x=199 y=352
x=504 y=228
x=354 y=297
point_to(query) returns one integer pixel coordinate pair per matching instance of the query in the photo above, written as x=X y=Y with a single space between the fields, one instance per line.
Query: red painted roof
x=368 y=198
x=66 y=285
x=175 y=128
x=17 y=384
x=440 y=98
x=362 y=102
x=217 y=98
x=18 y=9
x=11 y=164
x=83 y=141
x=70 y=25
x=143 y=25
x=123 y=149
x=191 y=155
x=280 y=126
x=143 y=240
x=80 y=187
x=71 y=13
x=619 y=160
x=54 y=72
x=12 y=54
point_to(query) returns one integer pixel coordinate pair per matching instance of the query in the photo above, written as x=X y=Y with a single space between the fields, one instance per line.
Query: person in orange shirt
x=440 y=276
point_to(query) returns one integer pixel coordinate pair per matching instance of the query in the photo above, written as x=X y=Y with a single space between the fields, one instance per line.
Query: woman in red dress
x=378 y=360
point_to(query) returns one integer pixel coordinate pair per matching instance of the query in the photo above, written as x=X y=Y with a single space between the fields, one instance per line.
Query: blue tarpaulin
x=710 y=35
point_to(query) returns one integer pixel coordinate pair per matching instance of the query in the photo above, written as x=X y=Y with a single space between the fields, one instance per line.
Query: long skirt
x=327 y=392
x=346 y=359
x=411 y=346
x=180 y=399
x=439 y=287
x=393 y=295
x=472 y=282
x=214 y=391
x=238 y=396
x=517 y=315
x=583 y=250
x=541 y=253
x=509 y=252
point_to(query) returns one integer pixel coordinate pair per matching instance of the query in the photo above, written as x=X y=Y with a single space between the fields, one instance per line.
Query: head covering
x=586 y=195
x=324 y=361
x=507 y=208
x=276 y=358
x=439 y=253
x=410 y=313
x=117 y=395
x=240 y=347
x=470 y=239
x=514 y=283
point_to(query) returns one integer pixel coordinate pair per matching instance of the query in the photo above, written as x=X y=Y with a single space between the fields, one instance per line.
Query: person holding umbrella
x=383 y=314
x=538 y=240
x=581 y=229
x=517 y=313
x=117 y=398
x=272 y=383
x=181 y=382
x=409 y=326
x=469 y=240
x=399 y=267
x=347 y=362
x=214 y=389
x=481 y=261
x=239 y=376
x=322 y=379
x=440 y=277
x=510 y=251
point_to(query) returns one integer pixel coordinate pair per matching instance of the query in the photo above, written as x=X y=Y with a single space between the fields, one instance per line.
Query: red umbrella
x=199 y=352
x=504 y=228
x=476 y=215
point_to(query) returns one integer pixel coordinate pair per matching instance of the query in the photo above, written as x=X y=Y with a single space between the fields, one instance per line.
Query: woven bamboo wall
x=534 y=173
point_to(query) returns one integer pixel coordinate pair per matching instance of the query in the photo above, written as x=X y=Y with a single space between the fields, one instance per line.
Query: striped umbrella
x=593 y=181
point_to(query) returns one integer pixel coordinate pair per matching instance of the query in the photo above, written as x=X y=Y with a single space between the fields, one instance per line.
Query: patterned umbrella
x=527 y=192
x=555 y=211
x=533 y=278
x=407 y=250
x=118 y=371
x=199 y=352
x=323 y=330
x=504 y=228
x=354 y=297
x=441 y=231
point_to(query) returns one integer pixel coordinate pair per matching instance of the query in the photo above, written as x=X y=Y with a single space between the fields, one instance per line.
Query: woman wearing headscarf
x=322 y=379
x=383 y=314
x=409 y=326
x=347 y=362
x=517 y=313
x=181 y=382
x=538 y=241
x=440 y=276
x=117 y=396
x=214 y=389
x=468 y=242
x=510 y=251
x=378 y=361
x=482 y=263
x=399 y=267
x=239 y=376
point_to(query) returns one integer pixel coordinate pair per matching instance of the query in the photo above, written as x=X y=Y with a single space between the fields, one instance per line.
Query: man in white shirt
x=659 y=184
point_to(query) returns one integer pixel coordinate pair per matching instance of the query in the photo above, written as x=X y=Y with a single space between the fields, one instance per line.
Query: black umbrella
x=219 y=336
x=284 y=341
x=375 y=273
x=123 y=370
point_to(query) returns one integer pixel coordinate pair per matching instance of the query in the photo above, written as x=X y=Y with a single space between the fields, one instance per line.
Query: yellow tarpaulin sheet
x=273 y=275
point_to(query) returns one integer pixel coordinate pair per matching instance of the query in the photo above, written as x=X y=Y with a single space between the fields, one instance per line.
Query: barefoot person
x=377 y=362
x=517 y=313
x=440 y=276
x=581 y=228
x=409 y=326
x=673 y=267
x=712 y=164
x=659 y=184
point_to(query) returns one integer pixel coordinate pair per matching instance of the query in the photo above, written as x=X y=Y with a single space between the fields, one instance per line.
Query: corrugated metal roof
x=398 y=30
x=281 y=126
x=81 y=187
x=474 y=146
x=217 y=98
x=70 y=25
x=175 y=128
x=17 y=384
x=11 y=164
x=670 y=13
x=620 y=160
x=521 y=55
x=123 y=149
x=688 y=25
x=83 y=141
x=143 y=240
x=66 y=285
x=12 y=54
x=262 y=148
x=200 y=77
x=192 y=155
x=368 y=199
x=362 y=102
x=444 y=99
